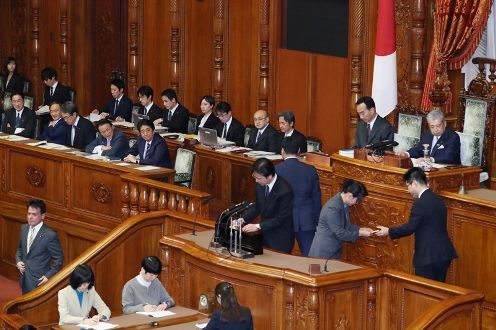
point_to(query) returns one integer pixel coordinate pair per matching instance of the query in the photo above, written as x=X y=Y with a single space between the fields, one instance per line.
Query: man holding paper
x=19 y=120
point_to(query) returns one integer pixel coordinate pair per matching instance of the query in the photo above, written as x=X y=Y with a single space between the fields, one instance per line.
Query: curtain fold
x=458 y=28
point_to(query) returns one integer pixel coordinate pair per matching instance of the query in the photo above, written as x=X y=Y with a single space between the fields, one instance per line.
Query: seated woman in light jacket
x=77 y=299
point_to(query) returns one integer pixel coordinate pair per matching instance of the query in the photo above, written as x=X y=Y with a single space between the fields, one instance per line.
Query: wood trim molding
x=218 y=65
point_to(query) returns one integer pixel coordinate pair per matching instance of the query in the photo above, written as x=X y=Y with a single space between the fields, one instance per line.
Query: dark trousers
x=436 y=271
x=305 y=239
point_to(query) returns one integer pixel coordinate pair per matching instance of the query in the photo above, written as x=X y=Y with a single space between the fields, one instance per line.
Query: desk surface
x=186 y=326
x=274 y=259
x=182 y=315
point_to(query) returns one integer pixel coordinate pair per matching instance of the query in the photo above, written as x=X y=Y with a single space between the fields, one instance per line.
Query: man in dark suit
x=372 y=128
x=57 y=130
x=176 y=116
x=304 y=181
x=39 y=254
x=229 y=127
x=286 y=125
x=444 y=143
x=433 y=248
x=54 y=90
x=274 y=204
x=19 y=120
x=264 y=137
x=110 y=142
x=82 y=131
x=150 y=146
x=145 y=95
x=120 y=107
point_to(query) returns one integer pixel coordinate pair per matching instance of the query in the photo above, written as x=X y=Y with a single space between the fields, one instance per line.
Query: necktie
x=30 y=238
x=267 y=191
x=434 y=141
x=147 y=146
x=169 y=116
x=18 y=120
x=368 y=132
x=258 y=136
x=73 y=134
x=224 y=131
x=116 y=105
x=51 y=91
x=108 y=143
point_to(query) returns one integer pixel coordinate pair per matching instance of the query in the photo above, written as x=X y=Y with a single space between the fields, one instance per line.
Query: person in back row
x=110 y=142
x=119 y=107
x=145 y=292
x=82 y=131
x=176 y=116
x=145 y=95
x=286 y=125
x=264 y=137
x=150 y=146
x=229 y=127
x=54 y=90
x=209 y=119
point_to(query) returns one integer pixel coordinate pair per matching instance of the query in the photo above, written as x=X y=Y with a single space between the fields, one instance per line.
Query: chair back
x=7 y=102
x=313 y=144
x=2 y=82
x=29 y=102
x=26 y=86
x=72 y=94
x=184 y=165
x=136 y=108
x=247 y=134
x=192 y=125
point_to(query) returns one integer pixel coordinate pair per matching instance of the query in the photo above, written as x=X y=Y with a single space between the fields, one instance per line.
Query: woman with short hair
x=78 y=298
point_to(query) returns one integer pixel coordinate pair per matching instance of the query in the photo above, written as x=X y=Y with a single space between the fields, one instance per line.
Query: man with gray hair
x=444 y=143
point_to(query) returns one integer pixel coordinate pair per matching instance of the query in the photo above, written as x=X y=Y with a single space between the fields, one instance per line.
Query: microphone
x=382 y=144
x=325 y=266
x=225 y=215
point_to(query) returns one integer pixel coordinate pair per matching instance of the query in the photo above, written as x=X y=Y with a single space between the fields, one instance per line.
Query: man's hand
x=383 y=231
x=119 y=118
x=149 y=308
x=95 y=111
x=365 y=232
x=162 y=307
x=20 y=265
x=90 y=321
x=250 y=228
x=42 y=280
x=130 y=158
x=157 y=121
x=106 y=148
x=104 y=114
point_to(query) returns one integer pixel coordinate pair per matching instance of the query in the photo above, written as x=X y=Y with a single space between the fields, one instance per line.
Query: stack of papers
x=94 y=117
x=157 y=313
x=123 y=124
x=14 y=138
x=44 y=109
x=98 y=326
x=148 y=168
x=347 y=153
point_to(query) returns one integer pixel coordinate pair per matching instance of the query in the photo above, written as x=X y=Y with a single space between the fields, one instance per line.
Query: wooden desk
x=142 y=322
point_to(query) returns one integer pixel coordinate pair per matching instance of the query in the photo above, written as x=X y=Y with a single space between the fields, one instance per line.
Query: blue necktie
x=116 y=106
x=18 y=120
x=147 y=146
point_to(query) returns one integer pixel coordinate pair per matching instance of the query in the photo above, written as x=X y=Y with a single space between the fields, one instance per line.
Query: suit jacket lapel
x=37 y=238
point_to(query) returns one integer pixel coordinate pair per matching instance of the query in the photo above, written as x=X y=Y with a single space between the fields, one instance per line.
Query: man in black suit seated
x=264 y=137
x=19 y=120
x=229 y=127
x=110 y=142
x=444 y=143
x=145 y=95
x=372 y=128
x=176 y=116
x=54 y=90
x=274 y=204
x=120 y=107
x=286 y=125
x=150 y=146
x=433 y=248
x=82 y=131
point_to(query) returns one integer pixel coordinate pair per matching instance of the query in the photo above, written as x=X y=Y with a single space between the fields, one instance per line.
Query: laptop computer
x=208 y=137
x=137 y=117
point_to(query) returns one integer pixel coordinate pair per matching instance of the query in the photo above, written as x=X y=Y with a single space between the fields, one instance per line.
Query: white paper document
x=123 y=164
x=98 y=326
x=233 y=148
x=123 y=124
x=13 y=138
x=201 y=325
x=148 y=168
x=44 y=109
x=157 y=313
x=53 y=146
x=94 y=117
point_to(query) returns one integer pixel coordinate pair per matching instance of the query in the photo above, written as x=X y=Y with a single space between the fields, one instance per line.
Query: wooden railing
x=140 y=195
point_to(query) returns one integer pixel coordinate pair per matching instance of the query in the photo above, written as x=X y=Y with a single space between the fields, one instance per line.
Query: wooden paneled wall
x=228 y=48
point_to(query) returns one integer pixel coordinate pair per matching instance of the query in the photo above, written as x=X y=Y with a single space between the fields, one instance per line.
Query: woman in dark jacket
x=12 y=81
x=230 y=315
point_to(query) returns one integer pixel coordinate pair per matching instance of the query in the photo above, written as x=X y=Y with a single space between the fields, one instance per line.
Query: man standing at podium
x=372 y=128
x=274 y=204
x=433 y=248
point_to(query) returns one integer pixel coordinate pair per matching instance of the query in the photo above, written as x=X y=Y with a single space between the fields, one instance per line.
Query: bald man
x=264 y=137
